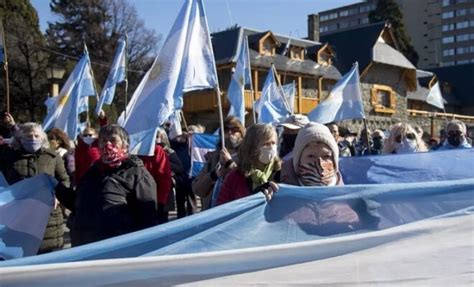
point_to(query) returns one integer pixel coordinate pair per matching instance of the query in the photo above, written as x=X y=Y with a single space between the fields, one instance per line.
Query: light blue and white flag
x=201 y=144
x=272 y=106
x=185 y=63
x=240 y=78
x=24 y=213
x=343 y=103
x=117 y=74
x=64 y=109
x=3 y=58
x=289 y=90
x=435 y=97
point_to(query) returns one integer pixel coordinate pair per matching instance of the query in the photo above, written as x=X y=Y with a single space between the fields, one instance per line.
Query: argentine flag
x=343 y=103
x=201 y=144
x=117 y=74
x=64 y=109
x=240 y=78
x=185 y=63
x=24 y=213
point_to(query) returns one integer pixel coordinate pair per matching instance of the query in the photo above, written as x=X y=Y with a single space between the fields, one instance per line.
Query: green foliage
x=388 y=10
x=26 y=61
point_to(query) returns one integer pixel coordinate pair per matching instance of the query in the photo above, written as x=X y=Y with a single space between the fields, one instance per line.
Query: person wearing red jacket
x=158 y=165
x=87 y=149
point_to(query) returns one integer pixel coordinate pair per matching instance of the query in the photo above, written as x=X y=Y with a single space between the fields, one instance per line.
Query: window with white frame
x=333 y=15
x=447 y=40
x=364 y=20
x=446 y=3
x=364 y=9
x=448 y=52
x=323 y=29
x=462 y=50
x=448 y=27
x=462 y=38
x=447 y=15
x=449 y=63
x=323 y=18
x=471 y=49
x=462 y=25
x=471 y=23
x=344 y=13
x=462 y=62
x=461 y=12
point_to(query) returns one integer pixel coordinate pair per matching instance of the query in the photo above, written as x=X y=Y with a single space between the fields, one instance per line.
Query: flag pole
x=126 y=77
x=5 y=67
x=184 y=119
x=367 y=136
x=221 y=115
x=93 y=80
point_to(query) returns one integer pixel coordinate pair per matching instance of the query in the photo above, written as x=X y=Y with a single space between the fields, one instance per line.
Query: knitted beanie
x=318 y=133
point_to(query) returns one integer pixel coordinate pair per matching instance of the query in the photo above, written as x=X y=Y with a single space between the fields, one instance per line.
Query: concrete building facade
x=442 y=31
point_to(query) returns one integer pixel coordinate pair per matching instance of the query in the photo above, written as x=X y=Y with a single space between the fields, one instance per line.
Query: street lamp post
x=54 y=75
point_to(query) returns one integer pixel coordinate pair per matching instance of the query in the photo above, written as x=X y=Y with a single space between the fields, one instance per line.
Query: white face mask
x=89 y=140
x=267 y=154
x=406 y=146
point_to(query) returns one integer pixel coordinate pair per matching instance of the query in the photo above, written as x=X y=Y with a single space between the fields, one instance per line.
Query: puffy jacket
x=17 y=165
x=110 y=201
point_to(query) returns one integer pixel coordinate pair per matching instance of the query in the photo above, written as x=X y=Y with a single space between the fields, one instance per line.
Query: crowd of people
x=104 y=191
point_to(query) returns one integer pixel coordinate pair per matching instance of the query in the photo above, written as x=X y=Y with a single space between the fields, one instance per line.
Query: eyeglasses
x=231 y=129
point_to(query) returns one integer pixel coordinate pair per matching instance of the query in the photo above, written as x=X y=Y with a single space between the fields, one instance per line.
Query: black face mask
x=454 y=140
x=378 y=143
x=287 y=144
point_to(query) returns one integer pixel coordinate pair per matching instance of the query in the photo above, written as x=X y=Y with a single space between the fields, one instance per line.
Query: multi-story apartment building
x=442 y=31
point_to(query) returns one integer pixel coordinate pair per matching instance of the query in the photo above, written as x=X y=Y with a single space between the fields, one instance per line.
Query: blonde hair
x=402 y=129
x=26 y=128
x=256 y=136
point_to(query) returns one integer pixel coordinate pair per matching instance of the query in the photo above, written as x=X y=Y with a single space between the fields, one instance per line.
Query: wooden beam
x=300 y=95
x=320 y=89
x=255 y=84
x=366 y=69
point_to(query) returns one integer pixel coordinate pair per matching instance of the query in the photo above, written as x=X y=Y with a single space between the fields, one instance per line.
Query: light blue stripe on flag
x=24 y=213
x=200 y=146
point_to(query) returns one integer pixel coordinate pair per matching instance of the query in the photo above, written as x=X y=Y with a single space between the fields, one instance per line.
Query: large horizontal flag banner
x=24 y=213
x=352 y=225
x=201 y=144
x=414 y=167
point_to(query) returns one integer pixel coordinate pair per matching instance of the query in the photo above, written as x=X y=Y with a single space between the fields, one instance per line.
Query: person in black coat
x=117 y=195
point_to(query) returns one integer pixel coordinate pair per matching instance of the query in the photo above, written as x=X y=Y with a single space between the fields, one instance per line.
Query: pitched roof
x=360 y=44
x=226 y=45
x=460 y=77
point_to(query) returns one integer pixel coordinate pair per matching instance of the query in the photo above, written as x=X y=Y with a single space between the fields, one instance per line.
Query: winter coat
x=203 y=184
x=84 y=156
x=160 y=168
x=110 y=201
x=17 y=165
x=235 y=186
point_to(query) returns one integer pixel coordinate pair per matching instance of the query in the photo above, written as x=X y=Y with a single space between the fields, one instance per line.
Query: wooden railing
x=206 y=101
x=418 y=113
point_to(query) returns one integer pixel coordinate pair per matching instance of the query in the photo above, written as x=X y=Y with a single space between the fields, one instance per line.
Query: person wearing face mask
x=378 y=138
x=86 y=152
x=60 y=142
x=291 y=126
x=403 y=139
x=257 y=163
x=315 y=162
x=219 y=163
x=117 y=195
x=315 y=159
x=29 y=155
x=456 y=136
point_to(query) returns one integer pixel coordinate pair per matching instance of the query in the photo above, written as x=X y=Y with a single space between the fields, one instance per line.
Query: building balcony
x=206 y=101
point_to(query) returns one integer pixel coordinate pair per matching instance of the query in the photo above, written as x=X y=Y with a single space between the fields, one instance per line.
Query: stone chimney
x=313 y=27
